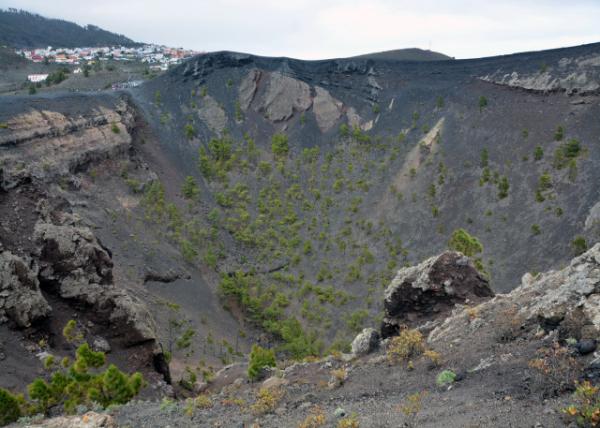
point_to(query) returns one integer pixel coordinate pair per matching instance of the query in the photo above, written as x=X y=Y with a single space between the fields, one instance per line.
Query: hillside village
x=158 y=57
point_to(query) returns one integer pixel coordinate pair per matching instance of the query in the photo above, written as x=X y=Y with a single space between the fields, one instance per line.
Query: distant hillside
x=21 y=29
x=9 y=59
x=411 y=54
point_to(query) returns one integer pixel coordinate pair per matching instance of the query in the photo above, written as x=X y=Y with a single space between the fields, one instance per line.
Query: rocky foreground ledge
x=493 y=350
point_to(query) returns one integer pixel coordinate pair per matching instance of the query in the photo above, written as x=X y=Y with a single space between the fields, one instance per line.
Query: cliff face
x=54 y=266
x=41 y=143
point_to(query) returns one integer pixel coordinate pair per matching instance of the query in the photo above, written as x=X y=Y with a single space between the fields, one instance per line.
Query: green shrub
x=190 y=188
x=71 y=333
x=344 y=130
x=188 y=251
x=9 y=407
x=485 y=156
x=538 y=153
x=462 y=241
x=559 y=133
x=76 y=384
x=579 y=245
x=545 y=182
x=57 y=76
x=483 y=102
x=566 y=153
x=260 y=358
x=503 y=187
x=220 y=148
x=115 y=128
x=535 y=229
x=189 y=130
x=586 y=411
x=279 y=145
x=445 y=378
x=239 y=114
x=357 y=319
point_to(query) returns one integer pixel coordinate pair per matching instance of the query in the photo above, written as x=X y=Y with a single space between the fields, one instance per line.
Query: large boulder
x=365 y=342
x=20 y=298
x=430 y=290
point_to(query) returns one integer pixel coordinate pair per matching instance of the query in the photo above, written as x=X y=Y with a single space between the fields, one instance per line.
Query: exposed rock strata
x=571 y=75
x=45 y=144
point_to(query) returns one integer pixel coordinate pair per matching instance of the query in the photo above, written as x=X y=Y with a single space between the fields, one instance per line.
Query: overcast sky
x=315 y=29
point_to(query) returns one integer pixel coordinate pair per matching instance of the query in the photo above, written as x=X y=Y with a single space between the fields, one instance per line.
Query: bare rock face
x=430 y=290
x=326 y=108
x=248 y=88
x=279 y=96
x=71 y=254
x=284 y=95
x=78 y=268
x=571 y=75
x=20 y=298
x=213 y=114
x=45 y=144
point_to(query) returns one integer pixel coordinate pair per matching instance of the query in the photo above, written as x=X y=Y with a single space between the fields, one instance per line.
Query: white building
x=35 y=78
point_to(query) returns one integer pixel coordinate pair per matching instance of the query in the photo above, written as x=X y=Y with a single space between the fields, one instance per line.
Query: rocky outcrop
x=283 y=95
x=89 y=420
x=76 y=266
x=21 y=300
x=571 y=75
x=213 y=114
x=44 y=143
x=279 y=96
x=567 y=301
x=365 y=342
x=326 y=108
x=592 y=222
x=248 y=88
x=430 y=290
